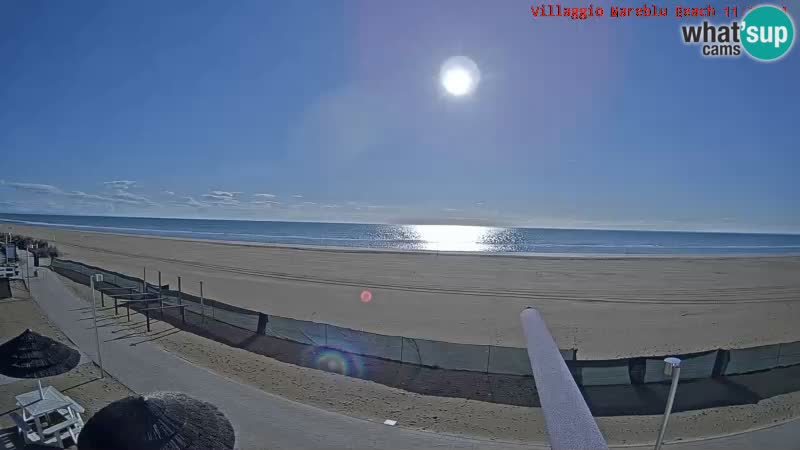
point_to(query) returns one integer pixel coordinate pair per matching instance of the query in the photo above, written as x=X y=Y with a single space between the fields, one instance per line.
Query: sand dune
x=604 y=307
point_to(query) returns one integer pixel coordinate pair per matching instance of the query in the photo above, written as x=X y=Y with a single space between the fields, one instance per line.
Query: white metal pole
x=96 y=332
x=672 y=367
x=568 y=420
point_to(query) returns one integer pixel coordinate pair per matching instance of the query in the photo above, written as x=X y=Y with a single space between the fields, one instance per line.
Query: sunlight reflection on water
x=462 y=238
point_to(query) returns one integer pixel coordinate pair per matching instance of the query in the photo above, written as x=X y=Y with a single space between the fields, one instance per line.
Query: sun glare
x=452 y=237
x=459 y=76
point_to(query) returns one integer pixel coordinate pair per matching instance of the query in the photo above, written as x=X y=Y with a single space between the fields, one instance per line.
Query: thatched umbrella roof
x=31 y=355
x=161 y=420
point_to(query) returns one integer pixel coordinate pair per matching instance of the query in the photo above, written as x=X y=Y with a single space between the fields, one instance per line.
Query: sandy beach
x=604 y=307
x=372 y=401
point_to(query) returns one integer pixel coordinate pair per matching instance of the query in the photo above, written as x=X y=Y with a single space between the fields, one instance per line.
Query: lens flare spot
x=332 y=361
x=366 y=296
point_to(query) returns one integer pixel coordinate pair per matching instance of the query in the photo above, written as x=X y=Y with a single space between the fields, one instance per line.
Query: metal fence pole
x=180 y=302
x=202 y=304
x=160 y=297
x=144 y=280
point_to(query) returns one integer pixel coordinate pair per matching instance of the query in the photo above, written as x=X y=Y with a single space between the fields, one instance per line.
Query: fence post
x=202 y=304
x=262 y=325
x=160 y=297
x=144 y=280
x=180 y=302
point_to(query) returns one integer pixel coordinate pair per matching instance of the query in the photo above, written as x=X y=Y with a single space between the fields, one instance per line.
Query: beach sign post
x=672 y=366
x=98 y=277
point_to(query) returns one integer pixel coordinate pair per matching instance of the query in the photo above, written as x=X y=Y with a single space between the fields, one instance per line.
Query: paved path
x=261 y=420
x=785 y=436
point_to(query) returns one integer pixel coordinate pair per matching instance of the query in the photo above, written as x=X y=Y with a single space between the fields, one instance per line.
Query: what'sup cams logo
x=766 y=33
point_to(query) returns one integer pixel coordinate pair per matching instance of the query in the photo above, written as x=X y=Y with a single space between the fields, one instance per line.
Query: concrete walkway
x=782 y=437
x=263 y=420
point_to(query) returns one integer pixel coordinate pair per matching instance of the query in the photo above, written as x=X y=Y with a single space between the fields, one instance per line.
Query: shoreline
x=342 y=249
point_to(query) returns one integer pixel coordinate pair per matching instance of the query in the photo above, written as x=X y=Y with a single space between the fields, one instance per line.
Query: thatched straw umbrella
x=31 y=355
x=161 y=420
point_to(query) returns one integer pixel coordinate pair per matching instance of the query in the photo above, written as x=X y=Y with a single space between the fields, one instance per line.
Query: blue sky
x=334 y=109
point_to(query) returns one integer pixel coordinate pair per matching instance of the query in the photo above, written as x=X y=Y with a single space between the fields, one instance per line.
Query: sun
x=459 y=76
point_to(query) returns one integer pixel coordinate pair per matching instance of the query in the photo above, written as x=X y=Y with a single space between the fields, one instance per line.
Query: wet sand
x=606 y=307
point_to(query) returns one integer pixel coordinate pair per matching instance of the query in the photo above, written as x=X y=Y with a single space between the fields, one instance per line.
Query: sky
x=334 y=111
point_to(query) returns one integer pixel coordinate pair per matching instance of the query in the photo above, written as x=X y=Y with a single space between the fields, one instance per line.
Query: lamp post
x=672 y=366
x=99 y=278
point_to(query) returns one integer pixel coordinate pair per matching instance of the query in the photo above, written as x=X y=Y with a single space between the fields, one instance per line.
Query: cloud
x=120 y=184
x=220 y=199
x=170 y=193
x=188 y=202
x=297 y=196
x=264 y=195
x=125 y=196
x=224 y=194
x=120 y=197
x=331 y=206
x=35 y=188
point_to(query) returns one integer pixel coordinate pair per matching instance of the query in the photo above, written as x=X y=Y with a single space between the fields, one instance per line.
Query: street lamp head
x=671 y=363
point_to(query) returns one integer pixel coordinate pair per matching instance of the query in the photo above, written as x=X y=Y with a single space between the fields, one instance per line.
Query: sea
x=432 y=237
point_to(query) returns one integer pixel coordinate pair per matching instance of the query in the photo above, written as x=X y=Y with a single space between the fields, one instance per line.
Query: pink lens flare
x=366 y=296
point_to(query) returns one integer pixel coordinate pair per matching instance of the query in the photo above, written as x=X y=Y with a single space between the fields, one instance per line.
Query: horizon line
x=567 y=228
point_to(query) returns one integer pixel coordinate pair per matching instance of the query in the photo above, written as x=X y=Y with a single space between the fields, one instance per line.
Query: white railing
x=569 y=422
